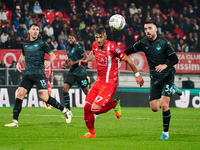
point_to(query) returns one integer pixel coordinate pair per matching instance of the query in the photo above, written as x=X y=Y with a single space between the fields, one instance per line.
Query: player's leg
x=21 y=92
x=176 y=90
x=66 y=97
x=166 y=116
x=165 y=99
x=155 y=96
x=88 y=114
x=53 y=102
x=89 y=121
x=85 y=90
x=157 y=101
x=102 y=102
x=69 y=81
x=24 y=87
x=49 y=93
x=40 y=82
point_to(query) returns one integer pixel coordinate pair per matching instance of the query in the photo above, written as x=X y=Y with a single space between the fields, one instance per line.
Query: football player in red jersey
x=49 y=74
x=106 y=54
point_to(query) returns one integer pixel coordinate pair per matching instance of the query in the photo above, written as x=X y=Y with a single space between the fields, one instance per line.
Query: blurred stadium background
x=178 y=21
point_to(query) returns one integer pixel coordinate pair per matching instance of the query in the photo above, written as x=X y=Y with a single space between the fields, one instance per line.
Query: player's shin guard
x=89 y=117
x=105 y=108
x=166 y=120
x=53 y=102
x=66 y=100
x=17 y=108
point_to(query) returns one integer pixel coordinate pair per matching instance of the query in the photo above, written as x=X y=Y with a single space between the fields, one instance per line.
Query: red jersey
x=48 y=72
x=107 y=64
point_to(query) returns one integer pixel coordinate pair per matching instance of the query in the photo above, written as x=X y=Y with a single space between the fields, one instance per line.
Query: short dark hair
x=71 y=34
x=100 y=30
x=33 y=24
x=151 y=21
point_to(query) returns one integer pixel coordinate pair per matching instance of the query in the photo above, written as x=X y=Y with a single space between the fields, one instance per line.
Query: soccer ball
x=117 y=22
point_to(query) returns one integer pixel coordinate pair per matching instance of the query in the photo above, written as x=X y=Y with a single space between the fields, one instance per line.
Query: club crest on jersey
x=36 y=45
x=158 y=48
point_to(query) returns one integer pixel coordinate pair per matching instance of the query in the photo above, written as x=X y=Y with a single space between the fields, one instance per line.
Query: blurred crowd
x=177 y=20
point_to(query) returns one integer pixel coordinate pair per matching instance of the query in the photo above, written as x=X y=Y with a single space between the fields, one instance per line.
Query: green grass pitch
x=137 y=129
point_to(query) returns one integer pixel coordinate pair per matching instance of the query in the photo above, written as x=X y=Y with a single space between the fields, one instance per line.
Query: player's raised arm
x=139 y=78
x=84 y=61
x=21 y=60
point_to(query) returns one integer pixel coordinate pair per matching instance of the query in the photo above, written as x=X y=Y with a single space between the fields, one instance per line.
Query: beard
x=72 y=44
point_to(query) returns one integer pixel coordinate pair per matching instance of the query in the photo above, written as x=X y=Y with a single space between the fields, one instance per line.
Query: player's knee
x=87 y=107
x=65 y=90
x=164 y=106
x=154 y=109
x=20 y=95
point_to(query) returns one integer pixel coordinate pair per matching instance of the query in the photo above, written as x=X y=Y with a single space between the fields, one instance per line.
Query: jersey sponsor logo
x=102 y=59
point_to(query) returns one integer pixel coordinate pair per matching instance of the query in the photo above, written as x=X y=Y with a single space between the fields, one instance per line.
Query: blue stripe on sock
x=166 y=116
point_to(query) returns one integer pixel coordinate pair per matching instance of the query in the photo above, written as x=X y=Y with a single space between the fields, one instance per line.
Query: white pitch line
x=131 y=118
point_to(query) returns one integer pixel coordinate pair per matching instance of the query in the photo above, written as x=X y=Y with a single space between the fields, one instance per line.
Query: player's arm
x=71 y=62
x=52 y=57
x=21 y=60
x=134 y=49
x=129 y=51
x=172 y=60
x=87 y=59
x=139 y=78
x=51 y=80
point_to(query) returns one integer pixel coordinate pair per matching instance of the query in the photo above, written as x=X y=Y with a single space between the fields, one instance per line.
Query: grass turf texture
x=138 y=129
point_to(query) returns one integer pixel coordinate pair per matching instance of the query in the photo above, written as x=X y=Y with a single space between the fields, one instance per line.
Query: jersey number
x=84 y=82
x=98 y=98
x=168 y=90
x=43 y=83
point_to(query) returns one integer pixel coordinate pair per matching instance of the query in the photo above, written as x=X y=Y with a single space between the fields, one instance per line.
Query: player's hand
x=47 y=63
x=64 y=66
x=160 y=68
x=19 y=67
x=140 y=81
x=82 y=62
x=51 y=85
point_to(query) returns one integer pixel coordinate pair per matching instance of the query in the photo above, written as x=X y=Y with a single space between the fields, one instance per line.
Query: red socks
x=89 y=117
x=89 y=113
